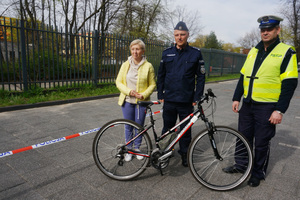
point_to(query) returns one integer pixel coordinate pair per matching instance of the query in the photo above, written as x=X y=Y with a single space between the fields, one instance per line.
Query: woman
x=136 y=82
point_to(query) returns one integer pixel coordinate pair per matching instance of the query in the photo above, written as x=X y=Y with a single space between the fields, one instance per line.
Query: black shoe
x=253 y=181
x=232 y=170
x=184 y=160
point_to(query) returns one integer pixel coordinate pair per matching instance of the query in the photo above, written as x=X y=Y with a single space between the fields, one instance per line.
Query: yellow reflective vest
x=267 y=80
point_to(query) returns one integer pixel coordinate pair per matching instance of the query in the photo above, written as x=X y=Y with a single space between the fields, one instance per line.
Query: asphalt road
x=66 y=170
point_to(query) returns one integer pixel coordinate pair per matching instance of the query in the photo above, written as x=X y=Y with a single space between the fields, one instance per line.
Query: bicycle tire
x=208 y=170
x=108 y=157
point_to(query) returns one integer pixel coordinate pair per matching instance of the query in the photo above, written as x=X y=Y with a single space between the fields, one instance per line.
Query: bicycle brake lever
x=210 y=93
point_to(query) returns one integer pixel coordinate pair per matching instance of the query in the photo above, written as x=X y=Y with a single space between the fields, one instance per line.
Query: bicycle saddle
x=147 y=103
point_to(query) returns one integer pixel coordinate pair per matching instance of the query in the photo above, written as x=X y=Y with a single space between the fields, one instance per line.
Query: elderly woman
x=136 y=82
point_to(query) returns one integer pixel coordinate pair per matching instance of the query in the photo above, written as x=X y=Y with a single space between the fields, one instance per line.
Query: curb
x=54 y=103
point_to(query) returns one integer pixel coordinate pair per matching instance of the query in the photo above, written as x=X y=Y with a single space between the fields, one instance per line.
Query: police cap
x=181 y=26
x=269 y=21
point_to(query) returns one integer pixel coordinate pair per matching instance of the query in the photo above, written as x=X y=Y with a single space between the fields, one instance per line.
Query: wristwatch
x=279 y=112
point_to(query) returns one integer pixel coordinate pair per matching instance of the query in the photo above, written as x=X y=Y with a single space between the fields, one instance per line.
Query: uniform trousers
x=254 y=124
x=171 y=111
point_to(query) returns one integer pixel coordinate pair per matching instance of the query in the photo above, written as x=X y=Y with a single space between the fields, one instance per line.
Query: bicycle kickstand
x=160 y=169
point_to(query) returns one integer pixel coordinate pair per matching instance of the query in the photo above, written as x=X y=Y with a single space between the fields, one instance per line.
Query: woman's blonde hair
x=138 y=42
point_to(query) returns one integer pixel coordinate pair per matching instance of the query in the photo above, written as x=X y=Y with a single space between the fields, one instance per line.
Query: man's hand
x=235 y=106
x=161 y=100
x=275 y=118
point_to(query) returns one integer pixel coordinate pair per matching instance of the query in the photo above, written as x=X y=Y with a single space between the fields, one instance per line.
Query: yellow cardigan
x=145 y=82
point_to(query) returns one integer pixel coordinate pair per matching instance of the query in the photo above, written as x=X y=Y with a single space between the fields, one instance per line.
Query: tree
x=139 y=18
x=199 y=41
x=212 y=42
x=250 y=39
x=231 y=48
x=291 y=12
x=286 y=35
x=171 y=18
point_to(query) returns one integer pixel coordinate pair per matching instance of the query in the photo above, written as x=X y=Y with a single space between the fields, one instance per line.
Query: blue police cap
x=181 y=26
x=269 y=21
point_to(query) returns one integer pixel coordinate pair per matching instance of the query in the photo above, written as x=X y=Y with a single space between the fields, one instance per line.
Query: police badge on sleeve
x=202 y=68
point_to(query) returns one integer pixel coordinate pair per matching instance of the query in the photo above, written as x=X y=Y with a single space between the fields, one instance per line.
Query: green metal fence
x=37 y=55
x=218 y=62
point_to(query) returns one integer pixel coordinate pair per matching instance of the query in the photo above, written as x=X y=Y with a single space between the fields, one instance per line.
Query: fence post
x=95 y=54
x=209 y=63
x=222 y=67
x=23 y=56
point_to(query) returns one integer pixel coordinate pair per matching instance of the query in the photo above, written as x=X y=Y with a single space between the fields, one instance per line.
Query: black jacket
x=178 y=71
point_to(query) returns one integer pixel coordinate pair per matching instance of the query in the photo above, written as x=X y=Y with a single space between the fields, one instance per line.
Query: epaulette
x=195 y=48
x=167 y=48
x=292 y=50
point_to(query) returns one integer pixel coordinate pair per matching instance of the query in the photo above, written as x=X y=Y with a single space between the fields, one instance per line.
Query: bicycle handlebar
x=203 y=98
x=210 y=93
x=206 y=96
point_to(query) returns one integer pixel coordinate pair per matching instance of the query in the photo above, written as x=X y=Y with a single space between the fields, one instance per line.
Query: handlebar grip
x=210 y=93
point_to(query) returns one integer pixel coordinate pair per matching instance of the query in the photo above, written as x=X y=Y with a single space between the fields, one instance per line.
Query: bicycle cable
x=213 y=106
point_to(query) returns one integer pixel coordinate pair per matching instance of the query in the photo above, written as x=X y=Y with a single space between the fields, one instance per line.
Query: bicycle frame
x=191 y=119
x=207 y=146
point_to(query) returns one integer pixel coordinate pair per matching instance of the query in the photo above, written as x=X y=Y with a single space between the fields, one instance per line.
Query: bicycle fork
x=211 y=130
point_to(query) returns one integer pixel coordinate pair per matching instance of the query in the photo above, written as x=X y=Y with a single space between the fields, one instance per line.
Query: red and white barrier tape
x=35 y=146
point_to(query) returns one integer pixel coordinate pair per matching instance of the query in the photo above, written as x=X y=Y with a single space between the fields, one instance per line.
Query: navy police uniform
x=176 y=85
x=254 y=114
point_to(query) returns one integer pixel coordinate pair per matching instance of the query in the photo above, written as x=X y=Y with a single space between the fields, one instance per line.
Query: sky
x=230 y=19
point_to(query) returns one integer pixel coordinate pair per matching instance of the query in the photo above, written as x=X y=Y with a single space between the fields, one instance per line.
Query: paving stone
x=66 y=170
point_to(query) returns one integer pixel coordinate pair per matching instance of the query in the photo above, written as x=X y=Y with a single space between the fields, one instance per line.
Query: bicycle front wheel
x=234 y=150
x=110 y=149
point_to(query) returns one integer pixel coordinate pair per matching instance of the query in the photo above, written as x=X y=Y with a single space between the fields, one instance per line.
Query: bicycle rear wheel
x=234 y=150
x=109 y=149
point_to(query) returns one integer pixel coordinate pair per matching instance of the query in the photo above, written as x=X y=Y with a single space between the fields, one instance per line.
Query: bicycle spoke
x=233 y=149
x=109 y=150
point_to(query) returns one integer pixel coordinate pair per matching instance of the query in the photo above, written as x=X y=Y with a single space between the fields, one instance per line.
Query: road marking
x=288 y=145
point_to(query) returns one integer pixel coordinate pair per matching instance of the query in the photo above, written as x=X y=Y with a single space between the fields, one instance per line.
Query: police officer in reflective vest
x=176 y=86
x=268 y=80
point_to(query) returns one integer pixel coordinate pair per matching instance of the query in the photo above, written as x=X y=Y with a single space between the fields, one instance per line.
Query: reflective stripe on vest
x=267 y=81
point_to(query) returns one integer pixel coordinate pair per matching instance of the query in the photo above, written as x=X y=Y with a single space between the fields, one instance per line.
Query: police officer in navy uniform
x=268 y=80
x=176 y=86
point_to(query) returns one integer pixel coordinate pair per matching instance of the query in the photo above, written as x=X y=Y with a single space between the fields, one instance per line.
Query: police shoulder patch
x=201 y=62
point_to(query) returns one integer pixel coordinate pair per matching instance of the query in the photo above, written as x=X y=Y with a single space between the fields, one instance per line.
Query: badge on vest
x=274 y=55
x=171 y=54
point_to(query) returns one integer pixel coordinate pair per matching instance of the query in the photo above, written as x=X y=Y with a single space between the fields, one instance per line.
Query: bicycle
x=210 y=151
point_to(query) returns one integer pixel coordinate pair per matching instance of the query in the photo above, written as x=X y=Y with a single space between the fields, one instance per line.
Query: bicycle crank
x=158 y=160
